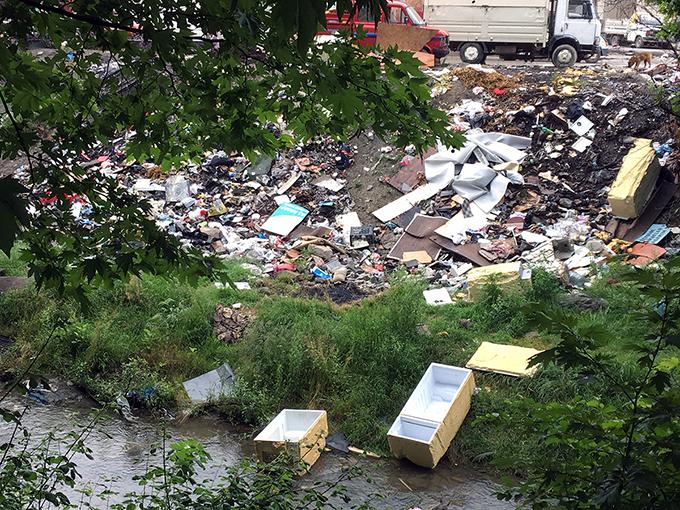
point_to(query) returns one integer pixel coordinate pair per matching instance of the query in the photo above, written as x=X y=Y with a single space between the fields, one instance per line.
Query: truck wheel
x=615 y=40
x=564 y=55
x=639 y=42
x=472 y=53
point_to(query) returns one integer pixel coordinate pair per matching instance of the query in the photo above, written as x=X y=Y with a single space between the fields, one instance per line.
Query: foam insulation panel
x=504 y=275
x=503 y=359
x=635 y=182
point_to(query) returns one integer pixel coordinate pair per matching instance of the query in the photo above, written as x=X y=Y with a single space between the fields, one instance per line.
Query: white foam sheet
x=211 y=385
x=289 y=425
x=433 y=396
x=413 y=428
x=476 y=182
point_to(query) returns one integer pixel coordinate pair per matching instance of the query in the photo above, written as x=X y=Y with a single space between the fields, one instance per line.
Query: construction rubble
x=559 y=171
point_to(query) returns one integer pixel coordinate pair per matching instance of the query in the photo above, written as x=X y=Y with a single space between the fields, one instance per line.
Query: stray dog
x=638 y=60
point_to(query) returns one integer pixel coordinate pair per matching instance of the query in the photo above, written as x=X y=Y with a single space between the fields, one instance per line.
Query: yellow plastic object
x=504 y=275
x=503 y=359
x=635 y=182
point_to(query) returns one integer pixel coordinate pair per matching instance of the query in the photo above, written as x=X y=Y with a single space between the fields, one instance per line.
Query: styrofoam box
x=432 y=415
x=302 y=431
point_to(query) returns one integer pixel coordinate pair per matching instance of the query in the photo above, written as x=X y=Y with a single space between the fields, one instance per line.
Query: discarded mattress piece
x=285 y=218
x=634 y=184
x=505 y=275
x=300 y=432
x=479 y=182
x=503 y=359
x=211 y=386
x=432 y=415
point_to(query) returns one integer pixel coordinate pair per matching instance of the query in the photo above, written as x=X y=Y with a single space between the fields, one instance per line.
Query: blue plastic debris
x=655 y=234
x=663 y=149
x=320 y=273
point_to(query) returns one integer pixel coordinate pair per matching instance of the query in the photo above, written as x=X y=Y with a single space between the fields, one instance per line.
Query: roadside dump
x=559 y=171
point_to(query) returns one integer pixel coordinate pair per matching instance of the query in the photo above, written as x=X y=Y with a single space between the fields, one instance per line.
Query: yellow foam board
x=505 y=275
x=635 y=181
x=503 y=359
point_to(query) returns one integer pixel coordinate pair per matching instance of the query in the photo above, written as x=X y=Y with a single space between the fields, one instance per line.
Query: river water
x=120 y=450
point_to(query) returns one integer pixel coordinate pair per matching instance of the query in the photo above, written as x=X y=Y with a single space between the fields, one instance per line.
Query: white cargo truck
x=564 y=31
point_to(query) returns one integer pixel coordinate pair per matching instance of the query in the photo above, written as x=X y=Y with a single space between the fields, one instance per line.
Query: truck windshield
x=414 y=16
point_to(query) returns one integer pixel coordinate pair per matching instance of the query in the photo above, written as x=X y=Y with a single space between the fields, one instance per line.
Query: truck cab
x=398 y=12
x=575 y=24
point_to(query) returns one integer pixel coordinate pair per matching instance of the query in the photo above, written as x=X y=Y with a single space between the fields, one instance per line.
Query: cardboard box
x=432 y=415
x=505 y=275
x=301 y=432
x=635 y=181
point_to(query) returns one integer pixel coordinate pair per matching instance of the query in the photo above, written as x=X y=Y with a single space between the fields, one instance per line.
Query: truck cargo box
x=499 y=21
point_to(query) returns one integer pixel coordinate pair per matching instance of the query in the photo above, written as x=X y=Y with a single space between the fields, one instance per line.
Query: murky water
x=120 y=451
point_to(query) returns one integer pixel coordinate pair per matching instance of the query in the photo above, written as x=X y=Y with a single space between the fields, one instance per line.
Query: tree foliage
x=622 y=452
x=175 y=78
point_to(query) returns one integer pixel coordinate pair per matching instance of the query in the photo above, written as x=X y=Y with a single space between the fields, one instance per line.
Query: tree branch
x=99 y=22
x=19 y=133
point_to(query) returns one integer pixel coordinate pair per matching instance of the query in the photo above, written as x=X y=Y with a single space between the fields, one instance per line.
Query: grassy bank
x=359 y=362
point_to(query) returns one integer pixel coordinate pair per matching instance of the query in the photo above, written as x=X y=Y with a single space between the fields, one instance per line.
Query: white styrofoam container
x=432 y=415
x=302 y=431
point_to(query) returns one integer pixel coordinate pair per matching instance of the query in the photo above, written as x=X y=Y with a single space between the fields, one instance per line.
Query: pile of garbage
x=558 y=172
x=594 y=171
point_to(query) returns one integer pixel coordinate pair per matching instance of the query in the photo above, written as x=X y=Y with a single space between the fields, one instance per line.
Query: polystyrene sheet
x=503 y=359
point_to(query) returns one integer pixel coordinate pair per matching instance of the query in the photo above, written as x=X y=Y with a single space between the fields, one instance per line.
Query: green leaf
x=13 y=212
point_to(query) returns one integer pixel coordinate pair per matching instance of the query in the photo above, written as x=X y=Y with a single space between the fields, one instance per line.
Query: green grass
x=358 y=362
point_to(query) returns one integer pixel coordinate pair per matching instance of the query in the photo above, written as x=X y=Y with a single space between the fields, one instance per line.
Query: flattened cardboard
x=432 y=415
x=503 y=359
x=302 y=432
x=408 y=177
x=427 y=59
x=421 y=257
x=404 y=37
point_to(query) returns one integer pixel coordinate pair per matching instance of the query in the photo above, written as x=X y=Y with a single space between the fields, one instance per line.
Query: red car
x=399 y=12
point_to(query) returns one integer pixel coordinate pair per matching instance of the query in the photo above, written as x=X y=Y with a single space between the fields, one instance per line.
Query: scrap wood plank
x=469 y=252
x=660 y=199
x=408 y=177
x=408 y=243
